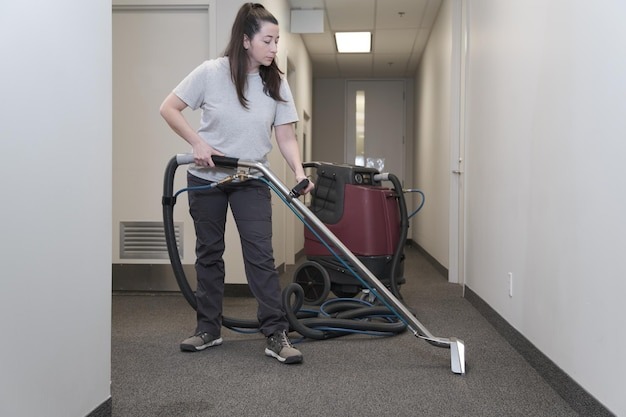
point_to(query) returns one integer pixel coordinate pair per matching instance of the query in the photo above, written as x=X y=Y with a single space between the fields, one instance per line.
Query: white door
x=376 y=124
x=154 y=47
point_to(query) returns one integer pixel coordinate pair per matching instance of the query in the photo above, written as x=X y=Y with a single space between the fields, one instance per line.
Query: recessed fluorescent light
x=353 y=42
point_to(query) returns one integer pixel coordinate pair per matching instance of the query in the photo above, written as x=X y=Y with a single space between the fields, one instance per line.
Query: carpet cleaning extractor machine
x=372 y=221
x=332 y=264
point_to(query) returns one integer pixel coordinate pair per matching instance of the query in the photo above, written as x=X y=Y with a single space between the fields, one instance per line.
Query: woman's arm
x=288 y=145
x=171 y=110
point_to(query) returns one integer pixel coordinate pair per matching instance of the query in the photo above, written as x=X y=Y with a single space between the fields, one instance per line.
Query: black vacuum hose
x=168 y=203
x=345 y=314
x=404 y=227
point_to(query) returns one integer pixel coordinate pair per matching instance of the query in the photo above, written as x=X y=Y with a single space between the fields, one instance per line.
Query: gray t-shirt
x=225 y=124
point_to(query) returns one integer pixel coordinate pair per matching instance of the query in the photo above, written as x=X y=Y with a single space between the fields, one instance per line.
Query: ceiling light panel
x=353 y=42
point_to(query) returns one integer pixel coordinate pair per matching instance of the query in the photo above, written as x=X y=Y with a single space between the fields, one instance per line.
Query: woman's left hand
x=310 y=186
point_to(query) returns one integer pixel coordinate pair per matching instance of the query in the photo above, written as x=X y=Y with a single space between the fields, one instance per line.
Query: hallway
x=348 y=376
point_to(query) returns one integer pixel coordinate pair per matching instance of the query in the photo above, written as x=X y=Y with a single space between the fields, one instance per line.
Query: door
x=154 y=47
x=376 y=125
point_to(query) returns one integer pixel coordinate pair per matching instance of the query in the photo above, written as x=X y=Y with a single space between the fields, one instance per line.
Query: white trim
x=456 y=246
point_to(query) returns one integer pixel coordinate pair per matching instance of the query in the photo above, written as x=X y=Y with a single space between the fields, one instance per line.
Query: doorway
x=376 y=125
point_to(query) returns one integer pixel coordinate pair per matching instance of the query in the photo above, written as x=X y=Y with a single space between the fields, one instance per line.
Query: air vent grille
x=146 y=240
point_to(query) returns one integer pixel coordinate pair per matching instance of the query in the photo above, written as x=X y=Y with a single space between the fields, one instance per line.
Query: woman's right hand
x=202 y=153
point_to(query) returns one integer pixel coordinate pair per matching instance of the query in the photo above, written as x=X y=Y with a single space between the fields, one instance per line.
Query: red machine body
x=369 y=225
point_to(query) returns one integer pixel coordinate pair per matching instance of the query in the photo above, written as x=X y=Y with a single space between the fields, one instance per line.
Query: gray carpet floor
x=355 y=375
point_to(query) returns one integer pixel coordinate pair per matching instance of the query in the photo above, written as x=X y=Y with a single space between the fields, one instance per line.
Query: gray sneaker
x=199 y=341
x=279 y=347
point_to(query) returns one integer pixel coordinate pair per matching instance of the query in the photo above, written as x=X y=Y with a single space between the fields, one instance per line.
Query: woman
x=242 y=96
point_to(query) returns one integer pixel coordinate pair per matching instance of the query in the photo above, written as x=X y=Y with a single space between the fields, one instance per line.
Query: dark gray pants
x=250 y=203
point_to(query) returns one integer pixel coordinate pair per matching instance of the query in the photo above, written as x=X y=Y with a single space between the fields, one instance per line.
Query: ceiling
x=400 y=30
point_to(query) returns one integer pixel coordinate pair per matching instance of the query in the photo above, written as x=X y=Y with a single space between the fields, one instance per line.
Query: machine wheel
x=314 y=280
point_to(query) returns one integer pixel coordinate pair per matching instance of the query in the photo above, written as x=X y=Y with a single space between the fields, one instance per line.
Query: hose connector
x=383 y=176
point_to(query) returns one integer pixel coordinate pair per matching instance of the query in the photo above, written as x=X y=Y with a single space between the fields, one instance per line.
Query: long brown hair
x=248 y=22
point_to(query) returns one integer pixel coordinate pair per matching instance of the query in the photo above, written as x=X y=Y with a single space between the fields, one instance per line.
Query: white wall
x=55 y=142
x=432 y=169
x=546 y=106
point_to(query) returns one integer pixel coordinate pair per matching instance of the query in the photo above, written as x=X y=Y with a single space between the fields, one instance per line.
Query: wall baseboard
x=151 y=278
x=148 y=277
x=580 y=400
x=434 y=262
x=103 y=410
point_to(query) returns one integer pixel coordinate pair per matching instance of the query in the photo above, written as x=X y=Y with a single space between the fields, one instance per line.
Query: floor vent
x=146 y=240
